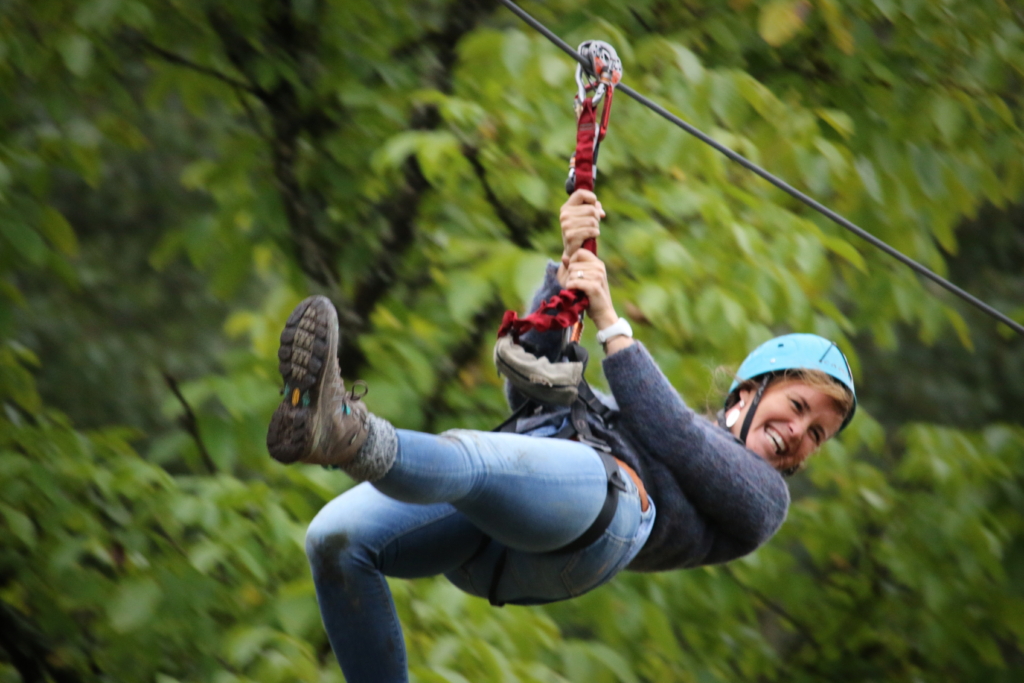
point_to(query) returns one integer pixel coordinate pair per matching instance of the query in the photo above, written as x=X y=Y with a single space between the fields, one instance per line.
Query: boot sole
x=309 y=345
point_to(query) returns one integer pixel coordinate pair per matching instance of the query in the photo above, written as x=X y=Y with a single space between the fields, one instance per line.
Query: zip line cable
x=777 y=182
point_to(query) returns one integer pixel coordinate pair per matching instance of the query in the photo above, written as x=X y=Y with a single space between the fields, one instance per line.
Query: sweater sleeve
x=740 y=498
x=547 y=344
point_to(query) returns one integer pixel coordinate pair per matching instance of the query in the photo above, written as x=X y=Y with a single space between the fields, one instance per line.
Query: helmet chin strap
x=749 y=419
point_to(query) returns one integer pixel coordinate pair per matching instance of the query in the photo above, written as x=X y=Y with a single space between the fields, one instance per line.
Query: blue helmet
x=796 y=352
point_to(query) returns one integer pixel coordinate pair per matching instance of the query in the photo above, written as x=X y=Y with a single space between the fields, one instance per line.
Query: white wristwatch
x=620 y=328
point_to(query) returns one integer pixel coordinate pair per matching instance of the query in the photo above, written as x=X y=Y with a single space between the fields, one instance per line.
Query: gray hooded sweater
x=716 y=500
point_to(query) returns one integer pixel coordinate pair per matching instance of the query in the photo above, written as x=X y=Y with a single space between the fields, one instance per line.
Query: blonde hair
x=842 y=398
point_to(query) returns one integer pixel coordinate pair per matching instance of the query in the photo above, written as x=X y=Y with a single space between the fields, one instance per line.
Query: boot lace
x=358 y=384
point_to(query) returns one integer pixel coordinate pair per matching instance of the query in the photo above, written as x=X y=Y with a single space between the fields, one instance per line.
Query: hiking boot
x=318 y=422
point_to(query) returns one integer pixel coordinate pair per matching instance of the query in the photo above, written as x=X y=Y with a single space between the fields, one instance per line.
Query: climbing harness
x=777 y=182
x=577 y=428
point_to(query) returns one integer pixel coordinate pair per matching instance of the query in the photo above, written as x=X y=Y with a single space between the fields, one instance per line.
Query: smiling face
x=791 y=421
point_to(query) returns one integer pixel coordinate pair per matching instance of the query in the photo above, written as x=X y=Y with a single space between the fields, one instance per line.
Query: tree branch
x=178 y=60
x=399 y=212
x=289 y=120
x=776 y=608
x=518 y=229
x=251 y=115
x=640 y=20
x=189 y=423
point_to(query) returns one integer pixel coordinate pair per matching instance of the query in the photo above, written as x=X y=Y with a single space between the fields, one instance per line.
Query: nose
x=798 y=428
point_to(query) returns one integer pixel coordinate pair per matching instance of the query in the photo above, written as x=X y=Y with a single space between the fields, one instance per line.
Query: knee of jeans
x=330 y=545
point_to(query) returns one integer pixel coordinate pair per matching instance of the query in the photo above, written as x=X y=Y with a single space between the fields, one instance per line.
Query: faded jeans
x=431 y=515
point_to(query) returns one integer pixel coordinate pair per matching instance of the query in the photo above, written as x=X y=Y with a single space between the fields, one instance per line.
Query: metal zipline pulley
x=591 y=88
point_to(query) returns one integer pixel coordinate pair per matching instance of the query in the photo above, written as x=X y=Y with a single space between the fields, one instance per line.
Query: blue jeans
x=432 y=513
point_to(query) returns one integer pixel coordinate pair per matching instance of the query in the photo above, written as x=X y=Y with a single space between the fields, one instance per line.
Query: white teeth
x=776 y=440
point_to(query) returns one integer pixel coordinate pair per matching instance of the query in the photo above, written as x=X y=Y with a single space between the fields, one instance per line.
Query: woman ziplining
x=498 y=513
x=574 y=487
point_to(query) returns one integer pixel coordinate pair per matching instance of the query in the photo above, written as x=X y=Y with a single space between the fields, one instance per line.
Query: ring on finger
x=579 y=274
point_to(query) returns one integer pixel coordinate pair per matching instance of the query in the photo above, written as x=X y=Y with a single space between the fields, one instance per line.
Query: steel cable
x=777 y=182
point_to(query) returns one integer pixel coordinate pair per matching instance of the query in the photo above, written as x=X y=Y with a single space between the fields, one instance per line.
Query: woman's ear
x=745 y=395
x=738 y=395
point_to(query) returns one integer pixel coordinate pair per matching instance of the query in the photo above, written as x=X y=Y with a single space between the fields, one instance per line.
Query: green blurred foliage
x=174 y=177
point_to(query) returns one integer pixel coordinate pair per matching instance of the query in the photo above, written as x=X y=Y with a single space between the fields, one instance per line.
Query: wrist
x=616 y=344
x=604 y=321
x=620 y=328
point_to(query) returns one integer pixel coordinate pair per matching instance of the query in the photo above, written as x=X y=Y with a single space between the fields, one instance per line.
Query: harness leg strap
x=616 y=483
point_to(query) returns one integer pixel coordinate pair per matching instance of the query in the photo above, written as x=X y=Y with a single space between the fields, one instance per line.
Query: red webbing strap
x=586 y=130
x=557 y=313
x=565 y=308
x=586 y=144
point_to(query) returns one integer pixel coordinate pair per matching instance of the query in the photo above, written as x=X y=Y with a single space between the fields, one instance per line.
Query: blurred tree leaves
x=174 y=177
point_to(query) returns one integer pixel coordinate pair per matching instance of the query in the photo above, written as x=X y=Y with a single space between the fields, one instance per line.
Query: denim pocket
x=594 y=565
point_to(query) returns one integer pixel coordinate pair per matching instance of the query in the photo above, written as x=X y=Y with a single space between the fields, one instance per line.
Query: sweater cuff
x=627 y=363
